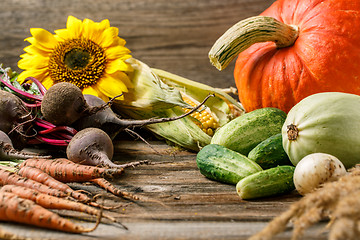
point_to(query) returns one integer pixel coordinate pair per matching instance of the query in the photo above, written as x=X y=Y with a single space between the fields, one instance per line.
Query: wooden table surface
x=181 y=203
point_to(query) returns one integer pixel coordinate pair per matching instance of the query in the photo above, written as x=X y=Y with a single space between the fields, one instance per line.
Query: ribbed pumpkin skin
x=325 y=57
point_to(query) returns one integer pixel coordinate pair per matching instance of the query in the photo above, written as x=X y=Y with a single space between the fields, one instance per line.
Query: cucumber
x=224 y=165
x=243 y=133
x=269 y=182
x=270 y=153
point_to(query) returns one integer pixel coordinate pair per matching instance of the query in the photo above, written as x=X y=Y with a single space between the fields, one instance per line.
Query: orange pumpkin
x=322 y=55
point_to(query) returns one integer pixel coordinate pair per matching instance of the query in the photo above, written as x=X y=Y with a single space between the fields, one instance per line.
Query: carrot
x=102 y=182
x=7 y=177
x=16 y=209
x=51 y=202
x=65 y=170
x=44 y=178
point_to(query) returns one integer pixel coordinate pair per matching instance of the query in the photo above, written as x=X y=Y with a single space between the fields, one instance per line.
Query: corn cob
x=204 y=119
x=191 y=132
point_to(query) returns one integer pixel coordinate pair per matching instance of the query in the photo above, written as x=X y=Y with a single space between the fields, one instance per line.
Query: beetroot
x=91 y=146
x=63 y=104
x=15 y=118
x=8 y=152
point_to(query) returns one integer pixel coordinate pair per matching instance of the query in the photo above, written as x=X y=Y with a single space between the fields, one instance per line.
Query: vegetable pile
x=306 y=150
x=61 y=117
x=294 y=57
x=298 y=134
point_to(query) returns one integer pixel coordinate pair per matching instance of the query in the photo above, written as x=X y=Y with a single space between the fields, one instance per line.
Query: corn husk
x=223 y=105
x=183 y=132
x=148 y=91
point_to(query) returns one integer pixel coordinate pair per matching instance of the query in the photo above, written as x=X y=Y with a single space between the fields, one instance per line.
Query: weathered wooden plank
x=180 y=203
x=149 y=230
x=172 y=35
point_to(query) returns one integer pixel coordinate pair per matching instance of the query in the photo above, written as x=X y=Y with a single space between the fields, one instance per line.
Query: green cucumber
x=243 y=133
x=270 y=153
x=224 y=165
x=266 y=183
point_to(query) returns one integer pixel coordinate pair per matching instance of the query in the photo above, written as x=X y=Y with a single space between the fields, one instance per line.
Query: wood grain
x=180 y=202
x=173 y=35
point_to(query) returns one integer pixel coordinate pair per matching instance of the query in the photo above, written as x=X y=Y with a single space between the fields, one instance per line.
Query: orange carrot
x=102 y=182
x=51 y=202
x=65 y=170
x=44 y=178
x=7 y=177
x=16 y=209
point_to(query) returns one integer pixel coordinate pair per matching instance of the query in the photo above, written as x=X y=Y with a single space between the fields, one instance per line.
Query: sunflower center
x=78 y=61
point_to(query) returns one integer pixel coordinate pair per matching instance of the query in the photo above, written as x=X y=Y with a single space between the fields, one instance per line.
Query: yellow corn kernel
x=204 y=119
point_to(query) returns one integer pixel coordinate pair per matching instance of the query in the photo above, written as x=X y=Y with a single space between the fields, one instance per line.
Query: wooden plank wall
x=174 y=35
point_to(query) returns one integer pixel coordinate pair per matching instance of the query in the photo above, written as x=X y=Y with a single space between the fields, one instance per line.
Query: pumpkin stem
x=247 y=32
x=292 y=132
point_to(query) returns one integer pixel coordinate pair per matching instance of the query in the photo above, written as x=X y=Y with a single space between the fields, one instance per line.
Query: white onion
x=316 y=169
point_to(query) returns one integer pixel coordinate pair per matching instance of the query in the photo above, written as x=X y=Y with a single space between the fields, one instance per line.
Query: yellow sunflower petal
x=110 y=86
x=90 y=91
x=93 y=30
x=30 y=61
x=119 y=41
x=117 y=65
x=108 y=37
x=62 y=34
x=101 y=95
x=104 y=24
x=116 y=52
x=89 y=29
x=74 y=27
x=47 y=82
x=43 y=37
x=39 y=74
x=124 y=78
x=36 y=43
x=33 y=50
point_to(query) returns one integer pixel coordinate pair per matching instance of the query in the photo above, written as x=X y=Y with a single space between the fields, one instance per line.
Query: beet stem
x=42 y=123
x=32 y=105
x=40 y=86
x=50 y=141
x=59 y=128
x=21 y=92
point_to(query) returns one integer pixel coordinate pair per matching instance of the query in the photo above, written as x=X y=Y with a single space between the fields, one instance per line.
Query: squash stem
x=247 y=32
x=292 y=132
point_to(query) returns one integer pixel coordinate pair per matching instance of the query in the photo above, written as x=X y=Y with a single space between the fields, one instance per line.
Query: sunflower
x=88 y=54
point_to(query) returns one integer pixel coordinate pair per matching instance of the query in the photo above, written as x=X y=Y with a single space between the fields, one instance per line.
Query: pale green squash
x=326 y=123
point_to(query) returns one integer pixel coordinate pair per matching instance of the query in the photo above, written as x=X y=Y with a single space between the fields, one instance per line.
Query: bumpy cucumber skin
x=270 y=182
x=270 y=153
x=243 y=133
x=224 y=165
